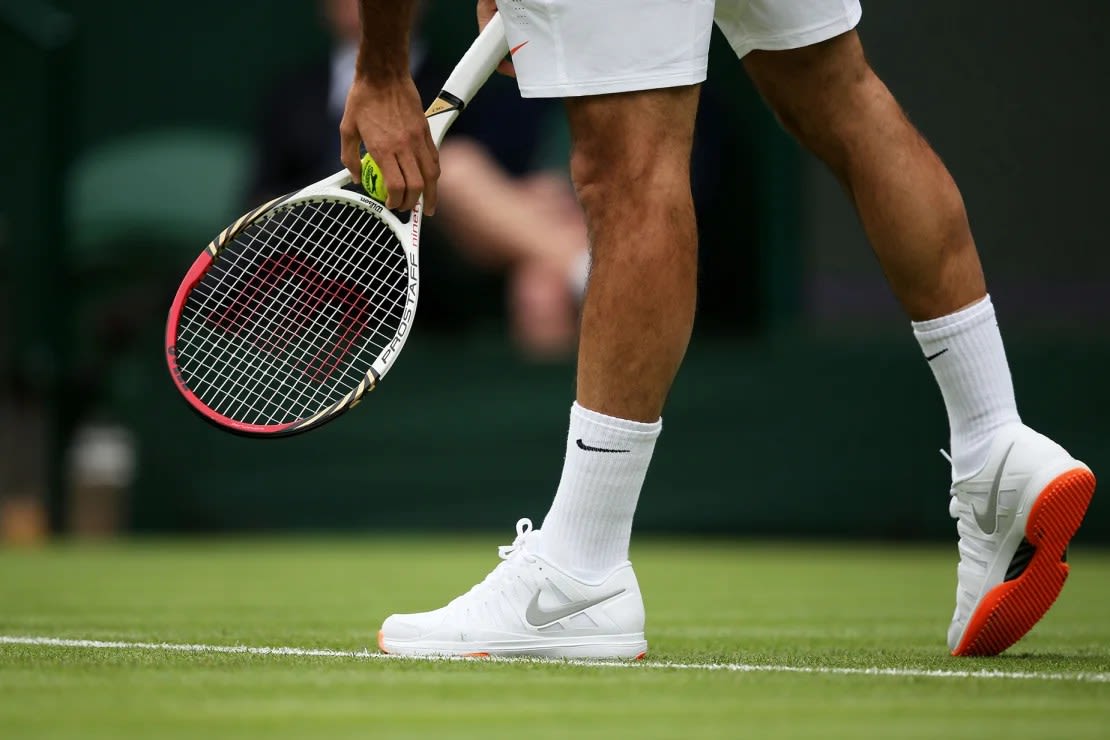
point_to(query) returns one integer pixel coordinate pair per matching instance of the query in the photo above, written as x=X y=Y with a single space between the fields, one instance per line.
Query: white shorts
x=564 y=48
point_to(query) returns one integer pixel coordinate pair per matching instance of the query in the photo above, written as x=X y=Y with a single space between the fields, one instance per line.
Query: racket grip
x=479 y=61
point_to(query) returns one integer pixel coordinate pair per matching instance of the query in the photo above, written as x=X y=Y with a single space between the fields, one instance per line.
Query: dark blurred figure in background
x=498 y=207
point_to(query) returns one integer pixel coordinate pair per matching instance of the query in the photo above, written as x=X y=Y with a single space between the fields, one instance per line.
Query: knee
x=845 y=121
x=644 y=167
x=632 y=147
x=824 y=95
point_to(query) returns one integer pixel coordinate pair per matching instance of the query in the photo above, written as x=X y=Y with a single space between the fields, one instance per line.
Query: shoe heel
x=1059 y=510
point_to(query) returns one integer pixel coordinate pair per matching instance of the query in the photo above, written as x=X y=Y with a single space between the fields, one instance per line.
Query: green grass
x=815 y=606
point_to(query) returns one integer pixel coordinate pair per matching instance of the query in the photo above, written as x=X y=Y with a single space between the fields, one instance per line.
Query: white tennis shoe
x=1015 y=518
x=527 y=606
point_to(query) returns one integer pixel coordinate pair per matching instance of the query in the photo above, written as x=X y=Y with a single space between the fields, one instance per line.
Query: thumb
x=350 y=142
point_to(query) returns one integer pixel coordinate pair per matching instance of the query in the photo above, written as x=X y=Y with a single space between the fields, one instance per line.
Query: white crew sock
x=589 y=525
x=965 y=353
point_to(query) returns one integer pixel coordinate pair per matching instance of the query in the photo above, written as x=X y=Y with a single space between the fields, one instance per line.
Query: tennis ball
x=372 y=180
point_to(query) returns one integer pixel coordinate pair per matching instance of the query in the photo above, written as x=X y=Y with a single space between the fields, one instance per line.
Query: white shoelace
x=523 y=527
x=508 y=554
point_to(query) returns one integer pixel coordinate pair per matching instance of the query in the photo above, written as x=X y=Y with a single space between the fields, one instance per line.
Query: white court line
x=644 y=665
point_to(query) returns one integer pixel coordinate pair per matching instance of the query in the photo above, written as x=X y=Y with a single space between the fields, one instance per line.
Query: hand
x=486 y=9
x=386 y=115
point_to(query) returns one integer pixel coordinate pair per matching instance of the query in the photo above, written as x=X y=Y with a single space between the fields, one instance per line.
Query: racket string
x=258 y=337
x=246 y=386
x=293 y=313
x=234 y=404
x=343 y=339
x=290 y=372
x=336 y=344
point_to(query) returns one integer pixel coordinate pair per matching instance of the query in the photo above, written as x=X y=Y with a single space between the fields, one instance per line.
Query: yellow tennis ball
x=372 y=180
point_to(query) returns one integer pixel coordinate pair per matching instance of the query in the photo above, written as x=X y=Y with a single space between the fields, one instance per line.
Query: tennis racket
x=302 y=305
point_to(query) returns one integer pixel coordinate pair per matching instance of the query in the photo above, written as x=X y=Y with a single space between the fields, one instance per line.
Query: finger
x=414 y=181
x=350 y=142
x=394 y=180
x=429 y=168
x=485 y=12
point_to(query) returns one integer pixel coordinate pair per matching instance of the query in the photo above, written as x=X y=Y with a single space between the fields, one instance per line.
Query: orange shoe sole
x=1011 y=608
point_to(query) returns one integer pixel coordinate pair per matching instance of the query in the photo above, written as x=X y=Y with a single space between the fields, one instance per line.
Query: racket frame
x=471 y=72
x=328 y=190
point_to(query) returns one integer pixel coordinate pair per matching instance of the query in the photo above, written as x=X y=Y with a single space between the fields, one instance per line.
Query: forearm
x=384 y=47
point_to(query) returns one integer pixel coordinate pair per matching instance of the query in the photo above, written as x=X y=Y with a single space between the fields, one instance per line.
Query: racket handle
x=479 y=61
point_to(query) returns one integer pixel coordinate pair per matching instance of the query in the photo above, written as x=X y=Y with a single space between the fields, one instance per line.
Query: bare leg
x=830 y=99
x=631 y=169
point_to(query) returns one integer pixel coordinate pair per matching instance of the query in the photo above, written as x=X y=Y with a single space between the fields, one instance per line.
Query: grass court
x=177 y=638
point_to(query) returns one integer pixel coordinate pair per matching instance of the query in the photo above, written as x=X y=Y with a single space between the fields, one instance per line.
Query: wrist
x=383 y=51
x=375 y=68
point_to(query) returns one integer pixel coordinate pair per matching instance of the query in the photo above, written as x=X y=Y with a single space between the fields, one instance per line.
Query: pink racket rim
x=192 y=277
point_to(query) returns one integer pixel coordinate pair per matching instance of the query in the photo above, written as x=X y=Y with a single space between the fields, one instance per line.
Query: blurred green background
x=803 y=408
